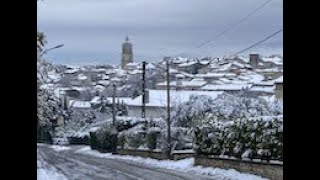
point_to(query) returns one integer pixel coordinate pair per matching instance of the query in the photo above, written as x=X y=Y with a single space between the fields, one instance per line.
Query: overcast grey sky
x=93 y=30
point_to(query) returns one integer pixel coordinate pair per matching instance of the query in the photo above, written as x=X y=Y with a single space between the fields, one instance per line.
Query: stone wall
x=271 y=171
x=153 y=154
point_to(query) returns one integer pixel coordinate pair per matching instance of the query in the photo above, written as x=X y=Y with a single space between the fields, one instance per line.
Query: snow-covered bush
x=225 y=107
x=48 y=106
x=252 y=138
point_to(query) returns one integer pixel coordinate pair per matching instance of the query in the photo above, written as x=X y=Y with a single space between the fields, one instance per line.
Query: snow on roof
x=265 y=83
x=150 y=66
x=158 y=98
x=101 y=70
x=268 y=70
x=120 y=72
x=110 y=71
x=78 y=88
x=95 y=100
x=279 y=80
x=79 y=104
x=99 y=87
x=254 y=77
x=230 y=75
x=59 y=90
x=238 y=64
x=204 y=62
x=104 y=82
x=47 y=86
x=187 y=64
x=225 y=80
x=245 y=78
x=104 y=77
x=82 y=77
x=196 y=83
x=213 y=75
x=225 y=87
x=133 y=64
x=115 y=79
x=214 y=66
x=266 y=89
x=179 y=60
x=225 y=67
x=179 y=76
x=237 y=81
x=73 y=66
x=275 y=59
x=247 y=60
x=136 y=71
x=197 y=79
x=173 y=71
x=54 y=77
x=71 y=71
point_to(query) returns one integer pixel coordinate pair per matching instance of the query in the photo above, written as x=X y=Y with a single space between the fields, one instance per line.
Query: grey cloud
x=95 y=29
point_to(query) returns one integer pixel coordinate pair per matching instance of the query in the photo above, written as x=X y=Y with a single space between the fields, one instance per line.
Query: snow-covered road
x=75 y=166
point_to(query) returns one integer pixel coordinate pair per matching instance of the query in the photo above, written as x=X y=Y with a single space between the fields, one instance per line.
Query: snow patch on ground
x=47 y=172
x=59 y=148
x=186 y=165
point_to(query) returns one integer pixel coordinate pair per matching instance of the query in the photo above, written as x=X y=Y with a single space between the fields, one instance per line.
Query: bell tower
x=127 y=55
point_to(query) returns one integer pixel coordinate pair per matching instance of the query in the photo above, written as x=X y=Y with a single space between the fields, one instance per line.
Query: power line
x=233 y=26
x=270 y=36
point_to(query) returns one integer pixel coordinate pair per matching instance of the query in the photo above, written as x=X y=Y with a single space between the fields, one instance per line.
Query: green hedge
x=79 y=140
x=43 y=135
x=101 y=141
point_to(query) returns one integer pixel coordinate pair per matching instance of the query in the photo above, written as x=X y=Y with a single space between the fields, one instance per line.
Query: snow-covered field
x=185 y=165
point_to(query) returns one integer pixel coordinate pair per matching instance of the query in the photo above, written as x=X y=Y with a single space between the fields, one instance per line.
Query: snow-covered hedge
x=225 y=106
x=243 y=138
x=153 y=135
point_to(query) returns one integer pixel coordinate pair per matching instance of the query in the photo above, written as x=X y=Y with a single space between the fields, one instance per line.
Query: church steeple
x=127 y=54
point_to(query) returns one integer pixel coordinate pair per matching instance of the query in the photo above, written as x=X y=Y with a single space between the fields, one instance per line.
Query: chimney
x=254 y=58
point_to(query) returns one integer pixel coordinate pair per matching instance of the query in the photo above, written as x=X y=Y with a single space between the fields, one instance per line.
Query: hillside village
x=82 y=87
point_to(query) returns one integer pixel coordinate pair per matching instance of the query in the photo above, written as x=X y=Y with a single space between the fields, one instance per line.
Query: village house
x=182 y=85
x=156 y=101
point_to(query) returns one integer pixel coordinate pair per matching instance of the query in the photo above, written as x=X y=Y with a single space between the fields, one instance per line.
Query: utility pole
x=143 y=111
x=168 y=110
x=113 y=105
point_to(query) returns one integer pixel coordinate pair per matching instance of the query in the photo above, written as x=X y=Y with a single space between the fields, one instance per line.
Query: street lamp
x=47 y=50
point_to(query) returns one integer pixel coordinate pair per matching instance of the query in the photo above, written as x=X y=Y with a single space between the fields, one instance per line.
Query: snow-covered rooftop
x=266 y=89
x=104 y=82
x=187 y=64
x=158 y=98
x=196 y=83
x=209 y=75
x=276 y=60
x=225 y=87
x=279 y=80
x=150 y=66
x=82 y=77
x=71 y=71
x=79 y=104
x=136 y=71
x=95 y=100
